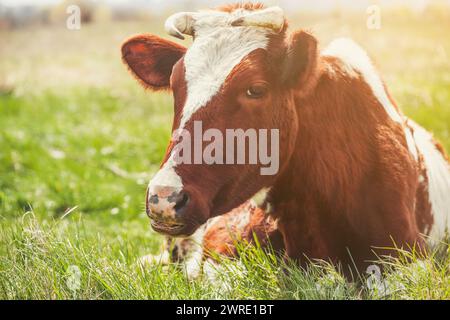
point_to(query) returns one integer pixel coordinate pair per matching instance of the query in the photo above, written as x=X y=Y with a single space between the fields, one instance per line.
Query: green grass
x=79 y=140
x=37 y=257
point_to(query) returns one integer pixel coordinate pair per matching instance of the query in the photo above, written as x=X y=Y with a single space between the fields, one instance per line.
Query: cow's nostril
x=181 y=200
x=153 y=199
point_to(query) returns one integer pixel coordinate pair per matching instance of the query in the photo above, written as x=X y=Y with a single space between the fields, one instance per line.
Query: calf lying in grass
x=355 y=175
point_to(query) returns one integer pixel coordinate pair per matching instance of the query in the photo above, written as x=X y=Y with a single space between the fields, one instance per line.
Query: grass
x=37 y=257
x=79 y=141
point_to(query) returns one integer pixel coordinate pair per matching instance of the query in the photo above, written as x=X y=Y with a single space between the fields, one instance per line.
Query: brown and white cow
x=355 y=174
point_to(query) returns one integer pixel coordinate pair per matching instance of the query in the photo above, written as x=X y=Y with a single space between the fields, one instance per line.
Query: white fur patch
x=218 y=47
x=194 y=262
x=260 y=197
x=438 y=172
x=241 y=220
x=162 y=259
x=410 y=143
x=356 y=60
x=166 y=177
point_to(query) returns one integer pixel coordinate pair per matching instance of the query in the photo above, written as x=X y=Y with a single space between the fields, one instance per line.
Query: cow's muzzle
x=166 y=206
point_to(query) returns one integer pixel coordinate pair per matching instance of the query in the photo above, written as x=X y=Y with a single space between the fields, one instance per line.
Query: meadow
x=80 y=139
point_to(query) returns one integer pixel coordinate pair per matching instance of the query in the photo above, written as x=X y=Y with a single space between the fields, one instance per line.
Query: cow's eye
x=256 y=91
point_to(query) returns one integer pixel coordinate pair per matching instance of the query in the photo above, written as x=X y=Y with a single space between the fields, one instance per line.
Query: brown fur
x=347 y=182
x=150 y=59
x=358 y=181
x=221 y=237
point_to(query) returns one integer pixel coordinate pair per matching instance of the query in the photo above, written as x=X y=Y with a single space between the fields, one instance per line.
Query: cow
x=355 y=177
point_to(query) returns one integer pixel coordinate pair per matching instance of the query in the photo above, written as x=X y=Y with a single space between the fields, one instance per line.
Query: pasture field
x=79 y=141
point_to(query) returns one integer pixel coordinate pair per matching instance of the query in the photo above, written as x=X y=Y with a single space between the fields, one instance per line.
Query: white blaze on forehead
x=166 y=177
x=218 y=48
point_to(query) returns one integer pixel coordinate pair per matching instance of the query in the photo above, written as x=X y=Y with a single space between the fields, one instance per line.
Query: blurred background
x=79 y=135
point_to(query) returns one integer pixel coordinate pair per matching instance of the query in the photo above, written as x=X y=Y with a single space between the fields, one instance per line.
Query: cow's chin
x=187 y=221
x=175 y=230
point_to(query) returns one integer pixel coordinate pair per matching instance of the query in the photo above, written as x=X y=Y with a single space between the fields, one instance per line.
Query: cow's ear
x=300 y=69
x=151 y=59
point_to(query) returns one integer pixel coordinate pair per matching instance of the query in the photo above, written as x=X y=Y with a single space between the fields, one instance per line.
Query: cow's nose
x=180 y=199
x=166 y=204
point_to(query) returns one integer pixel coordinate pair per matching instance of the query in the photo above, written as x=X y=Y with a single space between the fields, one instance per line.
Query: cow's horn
x=180 y=23
x=272 y=18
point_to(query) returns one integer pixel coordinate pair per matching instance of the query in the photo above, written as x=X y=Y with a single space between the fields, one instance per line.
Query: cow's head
x=241 y=71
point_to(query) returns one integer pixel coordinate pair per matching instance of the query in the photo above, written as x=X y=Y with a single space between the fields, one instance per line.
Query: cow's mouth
x=167 y=228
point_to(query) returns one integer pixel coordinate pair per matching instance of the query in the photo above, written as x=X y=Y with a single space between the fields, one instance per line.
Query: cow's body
x=355 y=173
x=363 y=175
